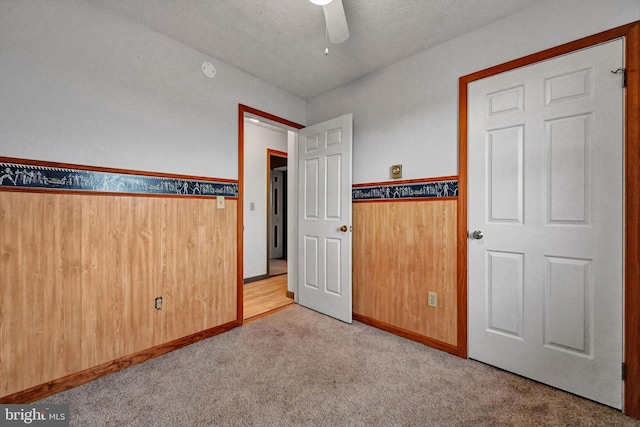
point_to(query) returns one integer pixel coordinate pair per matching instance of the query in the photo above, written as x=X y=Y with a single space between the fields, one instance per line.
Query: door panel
x=505 y=286
x=311 y=187
x=310 y=269
x=505 y=164
x=325 y=192
x=568 y=154
x=568 y=298
x=545 y=168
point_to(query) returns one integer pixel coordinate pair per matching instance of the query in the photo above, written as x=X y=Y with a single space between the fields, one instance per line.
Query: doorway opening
x=277 y=215
x=631 y=33
x=263 y=285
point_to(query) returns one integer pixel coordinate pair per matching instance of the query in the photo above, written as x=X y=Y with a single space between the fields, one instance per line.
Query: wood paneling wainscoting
x=403 y=249
x=79 y=274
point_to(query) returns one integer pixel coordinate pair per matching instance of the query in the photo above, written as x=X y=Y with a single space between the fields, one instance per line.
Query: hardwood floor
x=265 y=295
x=277 y=266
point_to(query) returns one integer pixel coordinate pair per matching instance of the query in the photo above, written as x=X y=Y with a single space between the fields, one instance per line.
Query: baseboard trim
x=78 y=378
x=290 y=295
x=255 y=278
x=439 y=345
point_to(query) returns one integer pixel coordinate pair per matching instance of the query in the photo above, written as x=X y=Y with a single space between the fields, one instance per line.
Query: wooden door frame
x=276 y=153
x=242 y=110
x=631 y=316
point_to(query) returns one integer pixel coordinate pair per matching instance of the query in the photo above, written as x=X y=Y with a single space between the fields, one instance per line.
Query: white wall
x=408 y=112
x=81 y=84
x=257 y=140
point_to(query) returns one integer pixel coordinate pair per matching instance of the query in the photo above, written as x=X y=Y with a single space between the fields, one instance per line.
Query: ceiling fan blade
x=336 y=21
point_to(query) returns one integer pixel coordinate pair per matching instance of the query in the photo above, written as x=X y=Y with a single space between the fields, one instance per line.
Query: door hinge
x=622 y=71
x=624 y=372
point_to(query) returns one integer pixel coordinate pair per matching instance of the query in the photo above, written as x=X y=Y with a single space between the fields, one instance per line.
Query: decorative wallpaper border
x=16 y=174
x=407 y=190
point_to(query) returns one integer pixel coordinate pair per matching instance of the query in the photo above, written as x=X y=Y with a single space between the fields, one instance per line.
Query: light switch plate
x=220 y=201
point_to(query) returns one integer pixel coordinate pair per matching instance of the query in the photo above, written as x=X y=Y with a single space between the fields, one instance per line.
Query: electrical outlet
x=158 y=303
x=433 y=299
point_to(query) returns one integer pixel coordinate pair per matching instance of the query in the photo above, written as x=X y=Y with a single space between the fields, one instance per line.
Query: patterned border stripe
x=420 y=190
x=17 y=175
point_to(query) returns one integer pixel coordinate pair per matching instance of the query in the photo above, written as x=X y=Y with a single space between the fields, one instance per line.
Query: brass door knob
x=344 y=228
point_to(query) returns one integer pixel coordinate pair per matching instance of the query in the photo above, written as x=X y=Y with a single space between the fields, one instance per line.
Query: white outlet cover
x=208 y=69
x=433 y=299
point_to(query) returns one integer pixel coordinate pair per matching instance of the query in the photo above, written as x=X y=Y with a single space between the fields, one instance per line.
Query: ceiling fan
x=337 y=29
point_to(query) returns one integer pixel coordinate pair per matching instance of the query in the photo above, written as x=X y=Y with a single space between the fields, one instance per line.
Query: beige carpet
x=297 y=367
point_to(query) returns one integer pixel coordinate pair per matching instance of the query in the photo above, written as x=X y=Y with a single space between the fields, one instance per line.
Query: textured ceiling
x=283 y=41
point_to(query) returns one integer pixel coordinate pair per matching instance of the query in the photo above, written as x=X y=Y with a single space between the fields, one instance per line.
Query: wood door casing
x=545 y=168
x=631 y=34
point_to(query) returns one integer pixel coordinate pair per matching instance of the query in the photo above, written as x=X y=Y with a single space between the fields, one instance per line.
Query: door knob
x=477 y=235
x=344 y=228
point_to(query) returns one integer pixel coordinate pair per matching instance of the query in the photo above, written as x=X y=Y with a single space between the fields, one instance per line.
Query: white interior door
x=324 y=217
x=545 y=168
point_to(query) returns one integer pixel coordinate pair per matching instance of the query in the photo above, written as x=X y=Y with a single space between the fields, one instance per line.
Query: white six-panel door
x=545 y=168
x=324 y=218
